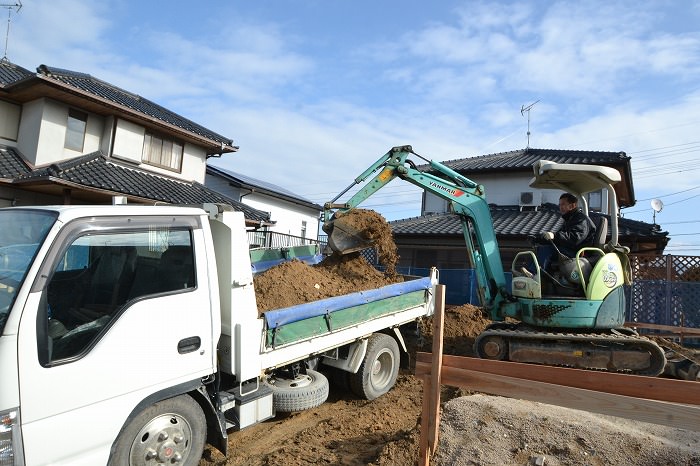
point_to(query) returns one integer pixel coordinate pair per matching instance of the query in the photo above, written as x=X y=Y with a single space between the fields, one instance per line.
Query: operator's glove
x=548 y=236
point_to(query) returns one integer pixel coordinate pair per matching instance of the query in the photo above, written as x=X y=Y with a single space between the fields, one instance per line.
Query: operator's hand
x=548 y=236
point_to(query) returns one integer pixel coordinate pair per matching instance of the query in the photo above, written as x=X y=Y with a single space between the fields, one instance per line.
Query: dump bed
x=303 y=321
x=252 y=342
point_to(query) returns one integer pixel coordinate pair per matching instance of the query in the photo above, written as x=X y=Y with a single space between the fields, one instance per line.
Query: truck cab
x=98 y=310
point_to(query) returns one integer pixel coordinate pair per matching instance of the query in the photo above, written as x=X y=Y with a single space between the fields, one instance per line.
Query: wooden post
x=430 y=413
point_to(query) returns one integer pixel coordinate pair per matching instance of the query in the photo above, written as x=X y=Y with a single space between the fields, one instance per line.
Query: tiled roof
x=11 y=73
x=12 y=164
x=525 y=158
x=89 y=84
x=509 y=221
x=94 y=171
x=253 y=184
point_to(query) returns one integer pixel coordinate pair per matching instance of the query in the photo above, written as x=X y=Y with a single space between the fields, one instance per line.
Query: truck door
x=116 y=315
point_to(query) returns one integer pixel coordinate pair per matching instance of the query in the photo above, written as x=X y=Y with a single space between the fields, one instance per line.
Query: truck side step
x=245 y=410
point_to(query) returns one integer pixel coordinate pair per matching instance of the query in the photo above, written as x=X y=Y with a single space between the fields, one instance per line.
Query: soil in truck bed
x=296 y=282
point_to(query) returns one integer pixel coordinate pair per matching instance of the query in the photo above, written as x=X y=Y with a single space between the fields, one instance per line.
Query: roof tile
x=99 y=88
x=525 y=158
x=510 y=221
x=95 y=171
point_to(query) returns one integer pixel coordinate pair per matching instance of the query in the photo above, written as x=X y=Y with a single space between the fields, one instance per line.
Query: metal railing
x=273 y=239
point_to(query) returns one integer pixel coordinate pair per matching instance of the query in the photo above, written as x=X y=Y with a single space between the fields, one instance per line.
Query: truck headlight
x=10 y=439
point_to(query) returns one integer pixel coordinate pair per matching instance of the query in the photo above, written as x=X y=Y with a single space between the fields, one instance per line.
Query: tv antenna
x=10 y=6
x=657 y=206
x=527 y=109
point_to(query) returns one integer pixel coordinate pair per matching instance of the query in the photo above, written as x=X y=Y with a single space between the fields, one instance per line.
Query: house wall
x=9 y=122
x=128 y=145
x=222 y=185
x=288 y=216
x=29 y=126
x=42 y=133
x=505 y=189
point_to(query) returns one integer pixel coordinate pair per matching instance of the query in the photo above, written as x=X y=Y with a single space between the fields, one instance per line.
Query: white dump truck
x=130 y=335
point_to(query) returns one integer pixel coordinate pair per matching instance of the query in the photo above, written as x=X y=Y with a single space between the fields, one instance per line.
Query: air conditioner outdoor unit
x=530 y=199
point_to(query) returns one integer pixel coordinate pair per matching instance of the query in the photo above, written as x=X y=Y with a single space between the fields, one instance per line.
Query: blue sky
x=315 y=91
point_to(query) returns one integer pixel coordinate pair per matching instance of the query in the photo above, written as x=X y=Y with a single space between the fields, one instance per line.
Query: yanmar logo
x=454 y=192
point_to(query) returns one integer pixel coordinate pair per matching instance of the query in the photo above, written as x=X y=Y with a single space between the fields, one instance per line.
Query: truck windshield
x=21 y=235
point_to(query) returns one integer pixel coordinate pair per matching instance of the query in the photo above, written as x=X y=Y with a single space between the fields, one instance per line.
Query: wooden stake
x=430 y=412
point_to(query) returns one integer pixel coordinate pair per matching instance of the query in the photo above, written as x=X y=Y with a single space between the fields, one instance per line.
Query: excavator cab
x=576 y=276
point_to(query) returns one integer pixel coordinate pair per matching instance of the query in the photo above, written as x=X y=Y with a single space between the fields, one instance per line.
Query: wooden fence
x=670 y=402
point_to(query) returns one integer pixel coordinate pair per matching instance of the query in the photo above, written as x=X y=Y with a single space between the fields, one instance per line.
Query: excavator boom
x=465 y=197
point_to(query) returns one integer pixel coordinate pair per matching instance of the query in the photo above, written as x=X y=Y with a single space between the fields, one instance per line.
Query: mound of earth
x=296 y=282
x=370 y=226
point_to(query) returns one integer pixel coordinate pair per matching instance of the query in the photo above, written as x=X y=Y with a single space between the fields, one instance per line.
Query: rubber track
x=511 y=331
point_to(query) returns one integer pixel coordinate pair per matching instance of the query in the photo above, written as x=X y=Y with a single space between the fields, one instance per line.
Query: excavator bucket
x=343 y=238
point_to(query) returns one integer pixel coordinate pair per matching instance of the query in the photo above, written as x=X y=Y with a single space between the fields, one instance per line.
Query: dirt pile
x=296 y=282
x=371 y=227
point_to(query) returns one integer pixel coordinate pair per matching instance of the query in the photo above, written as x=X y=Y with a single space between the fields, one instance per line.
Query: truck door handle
x=189 y=344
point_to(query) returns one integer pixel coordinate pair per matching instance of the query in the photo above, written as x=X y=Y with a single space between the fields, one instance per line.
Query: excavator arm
x=465 y=197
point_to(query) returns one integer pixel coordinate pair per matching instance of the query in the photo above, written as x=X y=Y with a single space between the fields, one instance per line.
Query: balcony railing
x=273 y=239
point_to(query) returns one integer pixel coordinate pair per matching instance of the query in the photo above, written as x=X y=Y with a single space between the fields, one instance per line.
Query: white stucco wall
x=9 y=122
x=128 y=145
x=29 y=127
x=288 y=216
x=194 y=163
x=43 y=133
x=504 y=189
x=128 y=141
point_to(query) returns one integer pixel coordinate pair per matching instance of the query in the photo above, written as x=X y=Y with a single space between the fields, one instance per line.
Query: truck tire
x=304 y=392
x=171 y=431
x=379 y=370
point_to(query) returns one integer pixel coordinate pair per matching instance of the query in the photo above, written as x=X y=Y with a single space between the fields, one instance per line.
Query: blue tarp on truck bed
x=287 y=315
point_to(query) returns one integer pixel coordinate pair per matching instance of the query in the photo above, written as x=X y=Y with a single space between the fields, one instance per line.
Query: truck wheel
x=171 y=431
x=379 y=370
x=304 y=392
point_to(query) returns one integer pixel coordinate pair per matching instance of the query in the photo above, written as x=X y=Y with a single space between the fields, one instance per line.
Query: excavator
x=571 y=315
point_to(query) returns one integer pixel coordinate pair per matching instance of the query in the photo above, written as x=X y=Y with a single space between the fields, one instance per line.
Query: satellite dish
x=657 y=205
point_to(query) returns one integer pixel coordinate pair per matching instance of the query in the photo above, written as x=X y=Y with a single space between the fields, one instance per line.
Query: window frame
x=84 y=227
x=147 y=151
x=74 y=133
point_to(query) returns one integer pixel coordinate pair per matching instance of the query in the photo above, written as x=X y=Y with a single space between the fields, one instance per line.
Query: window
x=162 y=152
x=595 y=201
x=75 y=130
x=100 y=275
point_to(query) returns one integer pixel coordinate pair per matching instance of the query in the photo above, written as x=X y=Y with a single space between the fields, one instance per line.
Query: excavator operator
x=577 y=232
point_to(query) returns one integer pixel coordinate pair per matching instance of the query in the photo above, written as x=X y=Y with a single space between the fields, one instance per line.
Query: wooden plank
x=666 y=328
x=654 y=388
x=657 y=412
x=424 y=450
x=438 y=326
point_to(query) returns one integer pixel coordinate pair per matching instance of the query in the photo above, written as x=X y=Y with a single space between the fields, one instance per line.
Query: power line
x=670 y=194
